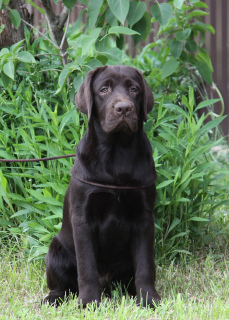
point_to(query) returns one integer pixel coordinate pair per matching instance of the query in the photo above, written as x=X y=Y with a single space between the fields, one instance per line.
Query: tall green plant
x=188 y=190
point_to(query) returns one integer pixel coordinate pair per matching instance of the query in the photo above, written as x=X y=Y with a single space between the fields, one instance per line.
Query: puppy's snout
x=123 y=108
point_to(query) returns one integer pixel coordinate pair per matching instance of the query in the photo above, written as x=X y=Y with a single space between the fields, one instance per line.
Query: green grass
x=197 y=289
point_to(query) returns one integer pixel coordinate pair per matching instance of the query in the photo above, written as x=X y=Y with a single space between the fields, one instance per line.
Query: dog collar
x=114 y=187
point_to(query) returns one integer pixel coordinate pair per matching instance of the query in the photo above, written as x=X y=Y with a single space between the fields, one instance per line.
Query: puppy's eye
x=133 y=89
x=104 y=89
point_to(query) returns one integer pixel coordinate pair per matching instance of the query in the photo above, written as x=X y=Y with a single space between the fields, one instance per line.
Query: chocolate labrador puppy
x=107 y=235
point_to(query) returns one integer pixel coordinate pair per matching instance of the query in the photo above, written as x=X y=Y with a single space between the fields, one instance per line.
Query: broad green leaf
x=6 y=223
x=157 y=227
x=212 y=124
x=120 y=41
x=178 y=3
x=148 y=125
x=15 y=18
x=93 y=12
x=187 y=32
x=143 y=26
x=111 y=19
x=169 y=68
x=37 y=227
x=176 y=48
x=206 y=103
x=200 y=4
x=191 y=98
x=76 y=25
x=26 y=56
x=183 y=34
x=183 y=200
x=115 y=56
x=0 y=6
x=77 y=82
x=16 y=197
x=6 y=155
x=164 y=184
x=136 y=12
x=199 y=219
x=23 y=212
x=210 y=28
x=176 y=108
x=39 y=197
x=63 y=77
x=88 y=41
x=197 y=13
x=162 y=12
x=46 y=237
x=8 y=69
x=191 y=46
x=69 y=3
x=15 y=230
x=204 y=71
x=95 y=32
x=180 y=234
x=102 y=58
x=122 y=30
x=4 y=51
x=178 y=173
x=204 y=56
x=3 y=181
x=180 y=35
x=16 y=46
x=5 y=79
x=185 y=176
x=2 y=27
x=175 y=222
x=94 y=63
x=119 y=8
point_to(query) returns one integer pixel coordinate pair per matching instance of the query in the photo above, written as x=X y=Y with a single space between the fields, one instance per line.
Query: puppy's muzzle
x=124 y=108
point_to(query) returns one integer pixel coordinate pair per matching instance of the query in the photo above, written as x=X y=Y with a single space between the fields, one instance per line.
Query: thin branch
x=45 y=70
x=31 y=26
x=56 y=25
x=50 y=28
x=63 y=17
x=47 y=54
x=49 y=10
x=66 y=29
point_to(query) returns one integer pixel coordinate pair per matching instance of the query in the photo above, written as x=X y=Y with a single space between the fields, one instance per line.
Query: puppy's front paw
x=89 y=296
x=54 y=298
x=151 y=299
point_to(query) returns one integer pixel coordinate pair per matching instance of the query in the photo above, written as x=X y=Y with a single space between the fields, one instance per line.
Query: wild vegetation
x=39 y=119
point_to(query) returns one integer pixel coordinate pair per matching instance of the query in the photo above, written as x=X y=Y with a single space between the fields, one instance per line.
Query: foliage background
x=38 y=82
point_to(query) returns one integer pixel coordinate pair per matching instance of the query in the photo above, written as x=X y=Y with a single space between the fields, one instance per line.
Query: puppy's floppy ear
x=148 y=100
x=84 y=96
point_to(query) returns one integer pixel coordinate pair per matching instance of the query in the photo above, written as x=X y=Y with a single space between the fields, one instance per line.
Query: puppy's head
x=118 y=96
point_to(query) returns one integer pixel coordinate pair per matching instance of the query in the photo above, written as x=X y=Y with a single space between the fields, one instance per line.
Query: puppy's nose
x=123 y=108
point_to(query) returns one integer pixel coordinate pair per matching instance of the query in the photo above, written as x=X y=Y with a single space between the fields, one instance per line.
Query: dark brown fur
x=107 y=234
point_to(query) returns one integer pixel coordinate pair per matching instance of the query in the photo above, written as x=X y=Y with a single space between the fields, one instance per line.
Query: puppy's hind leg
x=61 y=272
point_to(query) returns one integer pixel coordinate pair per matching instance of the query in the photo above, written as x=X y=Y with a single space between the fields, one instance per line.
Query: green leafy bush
x=38 y=119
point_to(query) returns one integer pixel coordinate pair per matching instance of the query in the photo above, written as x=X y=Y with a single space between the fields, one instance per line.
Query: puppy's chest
x=113 y=210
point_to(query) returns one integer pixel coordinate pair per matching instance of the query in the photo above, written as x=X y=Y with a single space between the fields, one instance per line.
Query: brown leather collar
x=114 y=187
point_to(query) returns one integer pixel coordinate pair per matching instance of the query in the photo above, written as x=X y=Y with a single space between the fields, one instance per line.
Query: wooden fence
x=216 y=45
